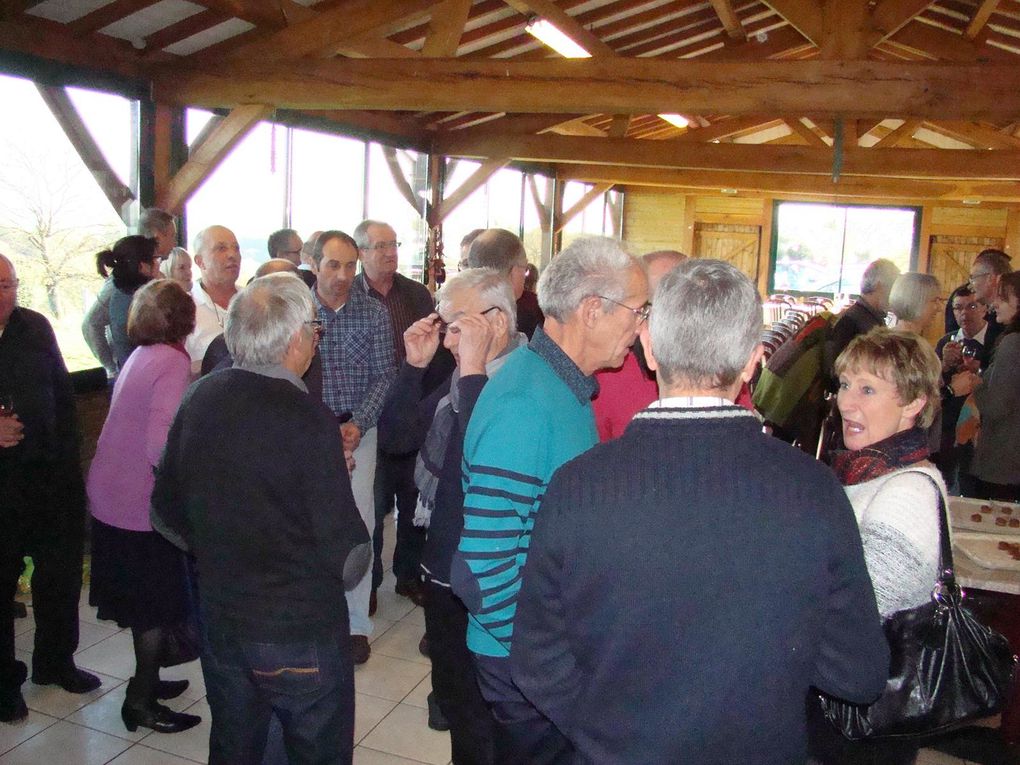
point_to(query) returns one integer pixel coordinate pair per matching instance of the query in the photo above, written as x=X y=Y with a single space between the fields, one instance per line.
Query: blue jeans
x=309 y=685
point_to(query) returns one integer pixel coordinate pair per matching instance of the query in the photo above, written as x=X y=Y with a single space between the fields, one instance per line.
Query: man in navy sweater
x=689 y=581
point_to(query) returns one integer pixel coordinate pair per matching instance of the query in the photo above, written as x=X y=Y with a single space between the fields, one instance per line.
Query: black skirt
x=138 y=578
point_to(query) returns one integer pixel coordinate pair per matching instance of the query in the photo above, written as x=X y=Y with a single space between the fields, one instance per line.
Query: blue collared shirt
x=358 y=362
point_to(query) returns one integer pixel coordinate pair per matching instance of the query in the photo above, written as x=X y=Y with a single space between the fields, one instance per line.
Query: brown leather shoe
x=360 y=650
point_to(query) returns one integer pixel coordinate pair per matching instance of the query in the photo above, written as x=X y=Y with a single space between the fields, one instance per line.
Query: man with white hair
x=531 y=418
x=277 y=536
x=679 y=600
x=218 y=257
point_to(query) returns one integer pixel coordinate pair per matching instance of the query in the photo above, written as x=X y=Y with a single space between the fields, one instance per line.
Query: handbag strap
x=947 y=570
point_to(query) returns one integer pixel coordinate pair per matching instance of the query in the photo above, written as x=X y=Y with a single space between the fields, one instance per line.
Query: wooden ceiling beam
x=184 y=29
x=106 y=15
x=50 y=40
x=275 y=14
x=730 y=20
x=727 y=128
x=904 y=131
x=981 y=15
x=941 y=45
x=903 y=163
x=373 y=46
x=619 y=125
x=976 y=134
x=321 y=35
x=446 y=26
x=549 y=10
x=206 y=157
x=765 y=183
x=77 y=132
x=810 y=136
x=803 y=15
x=581 y=204
x=777 y=43
x=617 y=86
x=472 y=183
x=890 y=16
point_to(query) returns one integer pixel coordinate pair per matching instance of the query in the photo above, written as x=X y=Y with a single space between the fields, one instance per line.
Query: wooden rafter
x=890 y=16
x=184 y=29
x=274 y=14
x=758 y=183
x=802 y=15
x=372 y=46
x=903 y=163
x=399 y=179
x=207 y=157
x=548 y=9
x=618 y=126
x=581 y=204
x=116 y=192
x=977 y=135
x=809 y=135
x=728 y=128
x=472 y=183
x=981 y=15
x=106 y=15
x=445 y=28
x=904 y=131
x=617 y=86
x=729 y=19
x=322 y=34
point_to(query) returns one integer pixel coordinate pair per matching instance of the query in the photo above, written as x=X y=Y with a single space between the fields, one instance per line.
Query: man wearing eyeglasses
x=287 y=244
x=983 y=279
x=966 y=349
x=406 y=301
x=533 y=416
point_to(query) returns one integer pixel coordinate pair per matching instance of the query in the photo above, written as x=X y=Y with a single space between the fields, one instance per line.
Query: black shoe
x=170 y=689
x=72 y=679
x=360 y=650
x=423 y=646
x=411 y=589
x=157 y=717
x=12 y=706
x=437 y=720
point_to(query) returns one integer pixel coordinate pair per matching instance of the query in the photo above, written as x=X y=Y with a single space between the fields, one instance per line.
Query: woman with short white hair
x=916 y=299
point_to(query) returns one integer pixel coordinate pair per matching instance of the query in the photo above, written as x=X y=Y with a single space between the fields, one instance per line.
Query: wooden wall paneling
x=735 y=244
x=1012 y=245
x=730 y=209
x=687 y=233
x=653 y=220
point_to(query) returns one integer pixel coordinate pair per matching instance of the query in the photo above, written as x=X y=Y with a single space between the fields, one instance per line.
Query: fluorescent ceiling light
x=675 y=119
x=555 y=38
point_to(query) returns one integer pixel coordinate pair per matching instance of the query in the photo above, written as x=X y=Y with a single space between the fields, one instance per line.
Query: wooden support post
x=924 y=245
x=765 y=247
x=687 y=241
x=1012 y=244
x=206 y=157
x=399 y=179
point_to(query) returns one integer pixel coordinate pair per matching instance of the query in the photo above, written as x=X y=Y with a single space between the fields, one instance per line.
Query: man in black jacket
x=688 y=581
x=42 y=501
x=253 y=480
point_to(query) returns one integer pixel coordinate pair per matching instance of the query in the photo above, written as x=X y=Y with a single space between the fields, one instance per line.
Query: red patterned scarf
x=897 y=451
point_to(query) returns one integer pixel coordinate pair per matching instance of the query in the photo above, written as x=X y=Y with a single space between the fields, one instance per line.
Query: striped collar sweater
x=531 y=418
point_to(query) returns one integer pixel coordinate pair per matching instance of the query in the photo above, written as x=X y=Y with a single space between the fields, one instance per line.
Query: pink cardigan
x=145 y=399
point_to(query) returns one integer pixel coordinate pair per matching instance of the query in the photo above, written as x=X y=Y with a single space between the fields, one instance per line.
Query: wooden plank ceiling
x=873 y=99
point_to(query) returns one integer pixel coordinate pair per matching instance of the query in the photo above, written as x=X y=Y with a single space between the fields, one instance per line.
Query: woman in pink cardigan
x=137 y=576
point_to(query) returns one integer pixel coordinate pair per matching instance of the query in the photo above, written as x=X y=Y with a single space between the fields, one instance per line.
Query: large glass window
x=327 y=182
x=246 y=193
x=54 y=217
x=391 y=200
x=595 y=218
x=823 y=248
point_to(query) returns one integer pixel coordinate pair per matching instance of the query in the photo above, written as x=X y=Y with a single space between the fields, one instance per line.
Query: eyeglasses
x=640 y=313
x=446 y=327
x=972 y=306
x=383 y=246
x=974 y=277
x=318 y=327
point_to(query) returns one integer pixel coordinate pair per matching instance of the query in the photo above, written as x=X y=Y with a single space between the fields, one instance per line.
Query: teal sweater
x=533 y=416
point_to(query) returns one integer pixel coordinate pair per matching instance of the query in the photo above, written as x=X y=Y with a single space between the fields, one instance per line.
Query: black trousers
x=41 y=515
x=453 y=677
x=394 y=479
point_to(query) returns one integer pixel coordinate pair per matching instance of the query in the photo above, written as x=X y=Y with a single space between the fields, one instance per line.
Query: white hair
x=910 y=293
x=878 y=272
x=263 y=318
x=588 y=266
x=705 y=323
x=489 y=284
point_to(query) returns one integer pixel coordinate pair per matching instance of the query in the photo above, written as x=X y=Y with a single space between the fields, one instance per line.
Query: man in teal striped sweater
x=532 y=417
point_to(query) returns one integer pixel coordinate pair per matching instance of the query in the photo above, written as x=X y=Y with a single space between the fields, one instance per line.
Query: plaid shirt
x=358 y=364
x=407 y=301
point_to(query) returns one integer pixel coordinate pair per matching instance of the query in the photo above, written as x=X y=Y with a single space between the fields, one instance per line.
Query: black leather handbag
x=946 y=667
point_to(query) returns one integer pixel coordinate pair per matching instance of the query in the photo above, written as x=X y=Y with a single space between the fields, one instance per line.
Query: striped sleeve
x=505 y=459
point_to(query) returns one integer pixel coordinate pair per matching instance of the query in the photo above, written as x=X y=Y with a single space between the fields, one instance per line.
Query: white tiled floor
x=390 y=707
x=65 y=729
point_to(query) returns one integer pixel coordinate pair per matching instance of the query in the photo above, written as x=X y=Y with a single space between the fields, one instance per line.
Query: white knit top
x=898 y=516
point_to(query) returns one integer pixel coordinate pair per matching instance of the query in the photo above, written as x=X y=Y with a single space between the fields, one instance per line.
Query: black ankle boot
x=147 y=713
x=170 y=689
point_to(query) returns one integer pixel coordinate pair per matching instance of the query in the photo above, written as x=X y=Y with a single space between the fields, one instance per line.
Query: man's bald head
x=275 y=266
x=660 y=263
x=8 y=289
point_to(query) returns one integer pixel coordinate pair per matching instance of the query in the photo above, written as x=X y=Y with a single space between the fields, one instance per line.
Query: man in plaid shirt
x=358 y=366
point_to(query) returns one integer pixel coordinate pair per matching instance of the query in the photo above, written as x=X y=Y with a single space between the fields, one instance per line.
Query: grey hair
x=198 y=243
x=153 y=221
x=910 y=293
x=360 y=233
x=497 y=248
x=277 y=238
x=176 y=254
x=877 y=273
x=263 y=318
x=674 y=256
x=705 y=324
x=490 y=285
x=994 y=260
x=588 y=266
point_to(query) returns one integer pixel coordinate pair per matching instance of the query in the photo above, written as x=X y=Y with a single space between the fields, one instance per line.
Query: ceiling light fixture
x=678 y=120
x=551 y=35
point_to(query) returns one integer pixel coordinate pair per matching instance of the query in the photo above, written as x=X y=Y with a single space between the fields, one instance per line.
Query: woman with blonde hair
x=177 y=266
